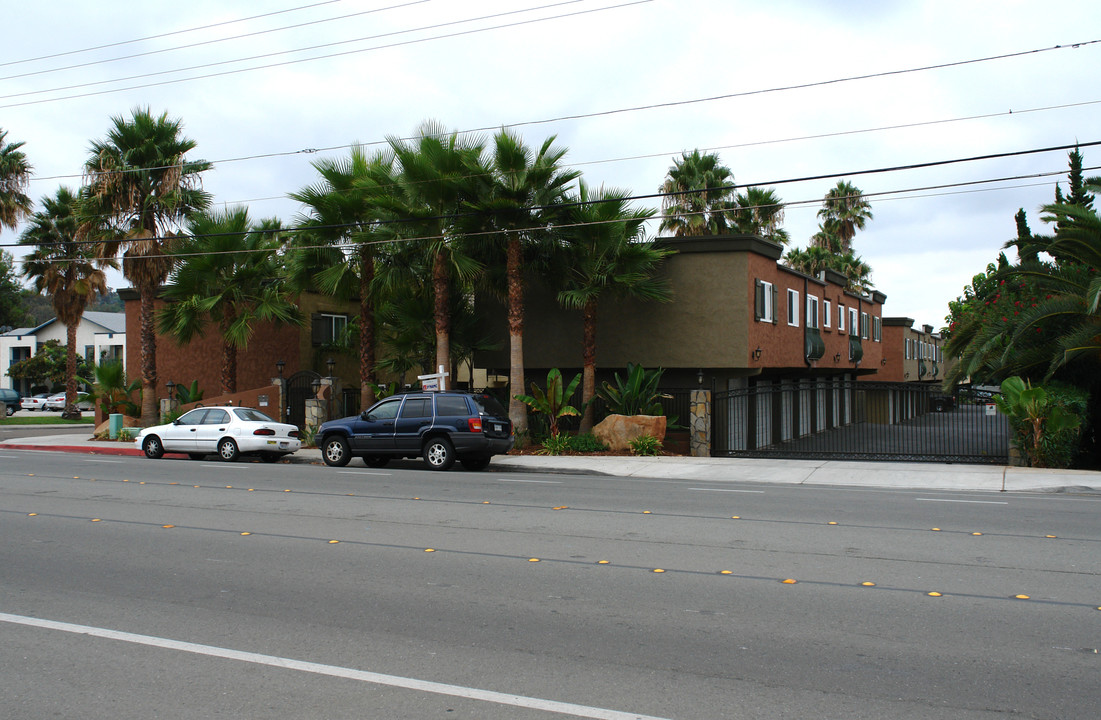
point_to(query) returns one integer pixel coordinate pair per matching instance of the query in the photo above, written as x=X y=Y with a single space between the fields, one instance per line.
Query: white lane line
x=226 y=466
x=759 y=492
x=428 y=686
x=10 y=457
x=977 y=502
x=362 y=472
x=534 y=482
x=112 y=462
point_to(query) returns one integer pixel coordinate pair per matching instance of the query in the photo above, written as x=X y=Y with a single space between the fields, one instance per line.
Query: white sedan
x=228 y=431
x=34 y=402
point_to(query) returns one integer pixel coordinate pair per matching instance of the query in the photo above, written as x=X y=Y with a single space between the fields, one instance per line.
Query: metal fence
x=848 y=420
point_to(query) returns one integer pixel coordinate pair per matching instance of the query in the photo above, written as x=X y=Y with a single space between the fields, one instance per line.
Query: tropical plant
x=554 y=401
x=336 y=254
x=698 y=196
x=646 y=445
x=439 y=171
x=186 y=394
x=606 y=257
x=1044 y=429
x=15 y=174
x=636 y=394
x=138 y=189
x=844 y=211
x=556 y=445
x=66 y=270
x=519 y=204
x=109 y=388
x=229 y=276
x=759 y=211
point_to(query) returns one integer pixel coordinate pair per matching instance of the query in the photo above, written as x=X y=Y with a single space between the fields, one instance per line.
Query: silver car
x=228 y=431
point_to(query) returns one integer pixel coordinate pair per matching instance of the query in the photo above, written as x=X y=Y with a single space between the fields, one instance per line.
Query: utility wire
x=198 y=44
x=318 y=57
x=163 y=35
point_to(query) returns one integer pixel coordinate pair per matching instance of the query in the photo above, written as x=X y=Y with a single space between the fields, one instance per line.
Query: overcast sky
x=395 y=63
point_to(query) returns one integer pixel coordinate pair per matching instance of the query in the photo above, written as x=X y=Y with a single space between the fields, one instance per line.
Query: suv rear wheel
x=439 y=453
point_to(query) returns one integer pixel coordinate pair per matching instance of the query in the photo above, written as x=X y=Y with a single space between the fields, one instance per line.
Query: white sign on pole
x=434 y=382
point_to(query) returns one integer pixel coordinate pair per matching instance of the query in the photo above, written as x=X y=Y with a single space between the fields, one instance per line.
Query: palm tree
x=844 y=211
x=229 y=274
x=524 y=190
x=439 y=174
x=15 y=173
x=337 y=253
x=67 y=270
x=139 y=188
x=698 y=196
x=810 y=261
x=606 y=256
x=760 y=212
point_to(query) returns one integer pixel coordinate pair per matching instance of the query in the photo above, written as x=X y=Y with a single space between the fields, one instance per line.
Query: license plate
x=498 y=428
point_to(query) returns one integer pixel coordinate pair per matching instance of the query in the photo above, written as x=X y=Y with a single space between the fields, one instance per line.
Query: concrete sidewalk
x=923 y=476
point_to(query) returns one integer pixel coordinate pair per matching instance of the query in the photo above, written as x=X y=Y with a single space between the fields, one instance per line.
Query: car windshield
x=250 y=414
x=488 y=404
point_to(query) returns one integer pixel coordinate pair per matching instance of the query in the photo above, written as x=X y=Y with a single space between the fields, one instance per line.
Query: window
x=877 y=328
x=827 y=310
x=854 y=329
x=793 y=307
x=907 y=348
x=841 y=318
x=416 y=407
x=764 y=305
x=812 y=311
x=386 y=410
x=216 y=417
x=864 y=325
x=452 y=405
x=327 y=328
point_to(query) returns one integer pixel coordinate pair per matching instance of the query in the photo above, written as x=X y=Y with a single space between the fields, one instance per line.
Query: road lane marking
x=535 y=482
x=114 y=462
x=759 y=492
x=224 y=466
x=976 y=502
x=362 y=472
x=582 y=711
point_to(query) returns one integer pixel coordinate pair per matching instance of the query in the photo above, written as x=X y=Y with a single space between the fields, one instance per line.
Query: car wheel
x=475 y=463
x=335 y=453
x=439 y=454
x=11 y=410
x=196 y=456
x=153 y=448
x=376 y=461
x=270 y=457
x=227 y=449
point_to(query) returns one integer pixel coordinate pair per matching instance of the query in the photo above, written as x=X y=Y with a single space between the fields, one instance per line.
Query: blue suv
x=441 y=427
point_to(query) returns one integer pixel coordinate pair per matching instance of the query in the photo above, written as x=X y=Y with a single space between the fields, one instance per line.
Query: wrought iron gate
x=848 y=420
x=299 y=389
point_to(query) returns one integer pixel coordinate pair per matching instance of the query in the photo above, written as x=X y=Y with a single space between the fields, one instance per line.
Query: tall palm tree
x=439 y=175
x=606 y=257
x=519 y=204
x=15 y=173
x=228 y=274
x=337 y=253
x=139 y=188
x=844 y=211
x=811 y=260
x=760 y=211
x=698 y=196
x=67 y=270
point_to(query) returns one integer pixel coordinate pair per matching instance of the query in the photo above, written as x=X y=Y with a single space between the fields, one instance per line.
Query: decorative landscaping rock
x=617 y=431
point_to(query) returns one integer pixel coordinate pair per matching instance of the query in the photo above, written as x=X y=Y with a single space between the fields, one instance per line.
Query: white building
x=100 y=336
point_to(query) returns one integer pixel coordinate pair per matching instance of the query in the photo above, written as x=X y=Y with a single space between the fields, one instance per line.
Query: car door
x=213 y=428
x=415 y=416
x=374 y=430
x=180 y=435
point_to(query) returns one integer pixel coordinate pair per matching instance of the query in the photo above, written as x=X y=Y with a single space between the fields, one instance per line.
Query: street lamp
x=171 y=389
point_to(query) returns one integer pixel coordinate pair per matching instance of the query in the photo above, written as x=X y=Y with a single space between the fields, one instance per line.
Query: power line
x=318 y=57
x=163 y=35
x=194 y=45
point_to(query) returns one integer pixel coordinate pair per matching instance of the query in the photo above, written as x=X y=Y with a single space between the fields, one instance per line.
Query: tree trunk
x=150 y=414
x=517 y=410
x=588 y=355
x=367 y=377
x=71 y=412
x=441 y=291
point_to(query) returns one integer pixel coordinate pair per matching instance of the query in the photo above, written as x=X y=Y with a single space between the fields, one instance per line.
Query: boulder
x=617 y=431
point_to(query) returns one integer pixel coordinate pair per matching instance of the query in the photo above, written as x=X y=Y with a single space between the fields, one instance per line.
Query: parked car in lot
x=11 y=399
x=34 y=402
x=57 y=402
x=228 y=431
x=441 y=427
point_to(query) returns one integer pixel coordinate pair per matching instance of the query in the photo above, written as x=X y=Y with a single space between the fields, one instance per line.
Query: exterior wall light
x=757 y=353
x=279 y=365
x=837 y=357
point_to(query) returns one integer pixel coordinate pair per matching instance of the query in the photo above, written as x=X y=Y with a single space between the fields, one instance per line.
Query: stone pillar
x=700 y=424
x=280 y=398
x=315 y=414
x=168 y=406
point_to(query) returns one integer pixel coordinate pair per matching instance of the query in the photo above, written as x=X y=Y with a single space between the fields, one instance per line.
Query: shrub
x=554 y=403
x=1045 y=423
x=646 y=445
x=556 y=445
x=637 y=394
x=586 y=443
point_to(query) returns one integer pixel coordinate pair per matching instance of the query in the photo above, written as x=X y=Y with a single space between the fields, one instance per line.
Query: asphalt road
x=180 y=589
